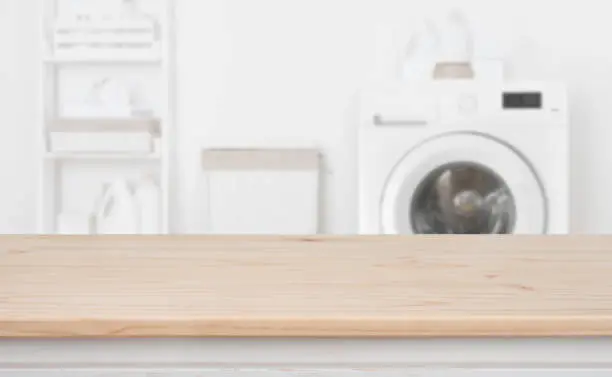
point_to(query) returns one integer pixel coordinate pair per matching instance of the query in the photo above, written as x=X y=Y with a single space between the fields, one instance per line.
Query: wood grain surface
x=192 y=286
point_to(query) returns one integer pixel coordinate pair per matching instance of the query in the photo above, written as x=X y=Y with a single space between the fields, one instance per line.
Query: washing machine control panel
x=468 y=104
x=518 y=104
x=522 y=100
x=464 y=104
x=454 y=107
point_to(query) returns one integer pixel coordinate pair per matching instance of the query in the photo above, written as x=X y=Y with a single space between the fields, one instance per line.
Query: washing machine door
x=463 y=184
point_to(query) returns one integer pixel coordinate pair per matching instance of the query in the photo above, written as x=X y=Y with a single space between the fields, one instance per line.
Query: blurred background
x=251 y=74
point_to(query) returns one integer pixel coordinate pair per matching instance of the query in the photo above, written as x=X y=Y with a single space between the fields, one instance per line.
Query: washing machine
x=464 y=157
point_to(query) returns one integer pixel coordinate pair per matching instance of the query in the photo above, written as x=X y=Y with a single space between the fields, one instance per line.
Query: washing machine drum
x=463 y=184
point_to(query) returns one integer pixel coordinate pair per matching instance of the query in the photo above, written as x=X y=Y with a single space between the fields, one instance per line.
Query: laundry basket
x=262 y=191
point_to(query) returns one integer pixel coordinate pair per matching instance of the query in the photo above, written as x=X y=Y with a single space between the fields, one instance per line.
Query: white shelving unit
x=71 y=180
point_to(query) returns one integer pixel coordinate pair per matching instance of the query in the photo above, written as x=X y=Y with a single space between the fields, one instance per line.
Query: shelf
x=80 y=152
x=105 y=60
x=72 y=25
x=103 y=156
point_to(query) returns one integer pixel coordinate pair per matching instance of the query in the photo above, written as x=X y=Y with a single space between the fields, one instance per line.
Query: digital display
x=525 y=100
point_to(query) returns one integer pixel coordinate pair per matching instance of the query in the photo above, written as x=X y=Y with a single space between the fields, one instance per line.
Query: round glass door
x=463 y=184
x=463 y=198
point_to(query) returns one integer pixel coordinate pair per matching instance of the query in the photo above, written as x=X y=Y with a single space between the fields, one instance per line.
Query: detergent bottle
x=117 y=211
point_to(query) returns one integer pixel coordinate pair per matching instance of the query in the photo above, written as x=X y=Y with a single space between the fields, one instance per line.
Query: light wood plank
x=308 y=372
x=260 y=159
x=305 y=286
x=145 y=125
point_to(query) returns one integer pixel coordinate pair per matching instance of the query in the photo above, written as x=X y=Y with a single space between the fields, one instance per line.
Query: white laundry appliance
x=464 y=157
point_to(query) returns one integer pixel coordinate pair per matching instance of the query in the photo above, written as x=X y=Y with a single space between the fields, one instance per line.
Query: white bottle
x=117 y=211
x=113 y=98
x=455 y=47
x=455 y=38
x=148 y=199
x=418 y=58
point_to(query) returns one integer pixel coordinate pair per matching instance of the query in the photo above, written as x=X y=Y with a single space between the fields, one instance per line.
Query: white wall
x=282 y=73
x=18 y=96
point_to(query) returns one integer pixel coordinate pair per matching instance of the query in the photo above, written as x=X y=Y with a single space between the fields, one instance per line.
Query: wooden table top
x=198 y=286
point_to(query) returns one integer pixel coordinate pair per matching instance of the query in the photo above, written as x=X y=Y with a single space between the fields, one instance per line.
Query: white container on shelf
x=148 y=198
x=117 y=211
x=106 y=98
x=100 y=142
x=103 y=135
x=157 y=145
x=93 y=37
x=112 y=55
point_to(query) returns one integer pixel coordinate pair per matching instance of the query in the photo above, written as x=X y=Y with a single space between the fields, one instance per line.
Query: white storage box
x=101 y=142
x=103 y=135
x=97 y=39
x=273 y=192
